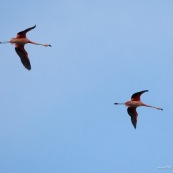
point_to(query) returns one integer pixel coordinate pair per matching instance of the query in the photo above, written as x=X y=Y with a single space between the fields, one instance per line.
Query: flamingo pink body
x=133 y=104
x=20 y=42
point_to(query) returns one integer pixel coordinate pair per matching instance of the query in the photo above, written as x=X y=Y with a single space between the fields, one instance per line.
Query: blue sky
x=59 y=117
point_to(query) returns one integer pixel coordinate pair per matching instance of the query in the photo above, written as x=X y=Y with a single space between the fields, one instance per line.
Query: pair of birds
x=20 y=42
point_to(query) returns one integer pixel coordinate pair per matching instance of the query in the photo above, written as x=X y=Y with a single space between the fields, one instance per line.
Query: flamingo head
x=46 y=45
x=160 y=109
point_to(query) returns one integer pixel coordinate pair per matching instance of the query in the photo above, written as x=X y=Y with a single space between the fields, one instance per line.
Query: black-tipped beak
x=50 y=45
x=115 y=103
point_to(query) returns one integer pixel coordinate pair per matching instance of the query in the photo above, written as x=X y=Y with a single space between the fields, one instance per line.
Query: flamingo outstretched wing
x=136 y=96
x=133 y=114
x=20 y=50
x=22 y=34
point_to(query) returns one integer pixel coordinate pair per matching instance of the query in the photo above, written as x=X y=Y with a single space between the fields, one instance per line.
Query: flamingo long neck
x=119 y=103
x=4 y=42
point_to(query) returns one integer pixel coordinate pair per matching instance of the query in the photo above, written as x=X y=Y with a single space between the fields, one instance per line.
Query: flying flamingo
x=133 y=104
x=20 y=42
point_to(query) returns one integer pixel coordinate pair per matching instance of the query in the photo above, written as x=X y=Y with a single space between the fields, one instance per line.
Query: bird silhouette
x=20 y=40
x=133 y=104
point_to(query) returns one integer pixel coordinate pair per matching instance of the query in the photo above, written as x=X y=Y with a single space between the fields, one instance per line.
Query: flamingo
x=133 y=104
x=20 y=42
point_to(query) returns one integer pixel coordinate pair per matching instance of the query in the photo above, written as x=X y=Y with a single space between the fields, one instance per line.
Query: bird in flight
x=133 y=104
x=20 y=42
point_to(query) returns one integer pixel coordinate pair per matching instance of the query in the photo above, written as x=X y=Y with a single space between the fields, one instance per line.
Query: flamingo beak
x=50 y=45
x=160 y=109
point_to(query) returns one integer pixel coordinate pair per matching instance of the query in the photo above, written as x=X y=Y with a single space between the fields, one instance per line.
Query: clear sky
x=59 y=117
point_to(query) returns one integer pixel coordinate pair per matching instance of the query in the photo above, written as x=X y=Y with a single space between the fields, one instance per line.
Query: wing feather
x=23 y=56
x=133 y=114
x=22 y=34
x=136 y=96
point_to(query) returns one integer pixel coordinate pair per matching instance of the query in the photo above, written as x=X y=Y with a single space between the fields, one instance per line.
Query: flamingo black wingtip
x=146 y=90
x=29 y=68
